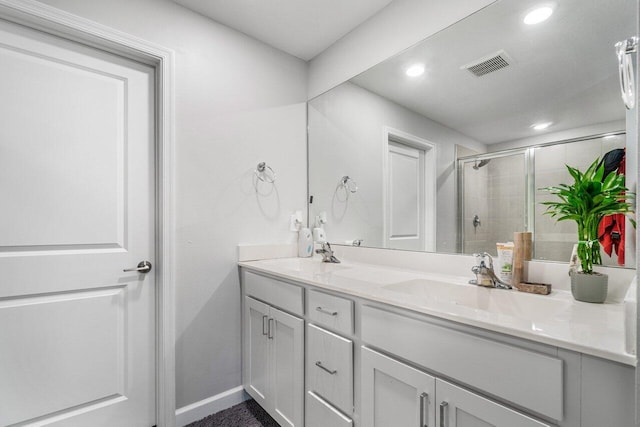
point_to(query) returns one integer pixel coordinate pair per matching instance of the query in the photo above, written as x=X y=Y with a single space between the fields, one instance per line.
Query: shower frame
x=529 y=162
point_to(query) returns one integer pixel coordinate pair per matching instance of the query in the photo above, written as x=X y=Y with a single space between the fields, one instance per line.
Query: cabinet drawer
x=333 y=312
x=321 y=414
x=330 y=367
x=279 y=294
x=526 y=378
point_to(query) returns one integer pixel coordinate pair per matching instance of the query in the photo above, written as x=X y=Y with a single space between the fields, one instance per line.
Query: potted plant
x=591 y=197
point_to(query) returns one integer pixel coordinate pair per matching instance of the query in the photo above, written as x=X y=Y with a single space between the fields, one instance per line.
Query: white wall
x=238 y=102
x=345 y=138
x=400 y=25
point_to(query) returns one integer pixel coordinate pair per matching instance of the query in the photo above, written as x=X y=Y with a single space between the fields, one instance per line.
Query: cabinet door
x=395 y=394
x=256 y=350
x=287 y=367
x=458 y=407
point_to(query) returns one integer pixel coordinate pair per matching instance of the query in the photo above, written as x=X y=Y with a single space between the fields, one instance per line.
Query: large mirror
x=443 y=147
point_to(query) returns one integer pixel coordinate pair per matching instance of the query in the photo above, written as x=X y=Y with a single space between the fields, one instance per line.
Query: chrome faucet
x=485 y=276
x=327 y=253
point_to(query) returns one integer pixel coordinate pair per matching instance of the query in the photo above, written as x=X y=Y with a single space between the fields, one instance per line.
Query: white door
x=287 y=367
x=458 y=407
x=406 y=198
x=256 y=350
x=395 y=394
x=77 y=334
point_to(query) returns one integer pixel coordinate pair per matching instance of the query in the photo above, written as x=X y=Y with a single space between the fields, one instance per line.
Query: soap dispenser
x=305 y=243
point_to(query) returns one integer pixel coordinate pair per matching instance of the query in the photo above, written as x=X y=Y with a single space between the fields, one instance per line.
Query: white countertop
x=555 y=319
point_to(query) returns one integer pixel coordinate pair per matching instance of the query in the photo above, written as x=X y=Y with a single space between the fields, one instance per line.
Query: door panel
x=288 y=368
x=462 y=408
x=73 y=372
x=406 y=210
x=78 y=199
x=257 y=365
x=395 y=394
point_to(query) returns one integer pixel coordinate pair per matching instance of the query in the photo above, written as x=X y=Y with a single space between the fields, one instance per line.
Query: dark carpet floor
x=245 y=414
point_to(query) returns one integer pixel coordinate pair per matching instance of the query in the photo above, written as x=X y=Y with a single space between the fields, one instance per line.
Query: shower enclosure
x=495 y=198
x=498 y=194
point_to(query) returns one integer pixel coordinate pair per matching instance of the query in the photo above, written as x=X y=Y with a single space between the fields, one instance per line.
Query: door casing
x=50 y=20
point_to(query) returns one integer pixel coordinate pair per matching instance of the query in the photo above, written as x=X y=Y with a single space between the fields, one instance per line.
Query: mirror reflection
x=442 y=147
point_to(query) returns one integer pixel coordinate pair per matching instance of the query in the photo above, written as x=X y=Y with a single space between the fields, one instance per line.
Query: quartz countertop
x=555 y=319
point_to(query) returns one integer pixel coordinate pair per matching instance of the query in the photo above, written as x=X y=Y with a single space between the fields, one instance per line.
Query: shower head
x=481 y=163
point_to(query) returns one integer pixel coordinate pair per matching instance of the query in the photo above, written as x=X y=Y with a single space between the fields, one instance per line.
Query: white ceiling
x=564 y=70
x=303 y=28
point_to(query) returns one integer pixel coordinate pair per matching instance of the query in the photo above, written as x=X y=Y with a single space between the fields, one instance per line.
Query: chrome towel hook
x=624 y=49
x=264 y=173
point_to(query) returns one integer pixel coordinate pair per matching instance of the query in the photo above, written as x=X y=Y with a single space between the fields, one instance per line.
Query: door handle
x=270 y=333
x=424 y=410
x=330 y=313
x=265 y=330
x=324 y=368
x=143 y=267
x=443 y=416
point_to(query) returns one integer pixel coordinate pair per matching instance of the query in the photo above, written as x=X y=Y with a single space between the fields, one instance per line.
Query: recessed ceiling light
x=538 y=15
x=415 y=70
x=541 y=126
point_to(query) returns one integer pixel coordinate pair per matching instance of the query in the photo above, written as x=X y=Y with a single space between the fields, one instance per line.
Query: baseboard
x=211 y=405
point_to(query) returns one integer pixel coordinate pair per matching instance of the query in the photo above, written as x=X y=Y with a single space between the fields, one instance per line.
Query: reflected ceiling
x=560 y=59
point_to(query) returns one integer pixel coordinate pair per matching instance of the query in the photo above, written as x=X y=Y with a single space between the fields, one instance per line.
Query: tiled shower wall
x=496 y=193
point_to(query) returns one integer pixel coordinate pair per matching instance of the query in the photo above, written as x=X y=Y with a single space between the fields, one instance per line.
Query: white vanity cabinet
x=340 y=360
x=273 y=356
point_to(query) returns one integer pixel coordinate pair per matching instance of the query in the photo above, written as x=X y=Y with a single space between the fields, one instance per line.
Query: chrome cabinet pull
x=264 y=325
x=330 y=313
x=443 y=410
x=270 y=335
x=321 y=366
x=424 y=410
x=142 y=267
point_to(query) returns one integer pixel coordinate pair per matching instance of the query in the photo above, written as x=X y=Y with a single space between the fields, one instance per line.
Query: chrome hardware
x=443 y=415
x=476 y=221
x=327 y=253
x=485 y=276
x=348 y=184
x=624 y=49
x=262 y=174
x=357 y=242
x=424 y=410
x=270 y=334
x=143 y=267
x=330 y=313
x=319 y=365
x=264 y=325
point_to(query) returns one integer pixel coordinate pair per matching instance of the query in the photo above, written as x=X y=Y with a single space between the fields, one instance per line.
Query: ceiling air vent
x=488 y=64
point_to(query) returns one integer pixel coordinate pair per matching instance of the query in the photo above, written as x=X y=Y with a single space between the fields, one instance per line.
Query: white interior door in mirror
x=409 y=202
x=77 y=342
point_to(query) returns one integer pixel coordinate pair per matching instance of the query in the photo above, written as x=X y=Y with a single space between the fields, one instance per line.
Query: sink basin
x=496 y=301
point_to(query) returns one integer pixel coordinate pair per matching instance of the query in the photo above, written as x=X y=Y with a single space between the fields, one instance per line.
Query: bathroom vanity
x=356 y=344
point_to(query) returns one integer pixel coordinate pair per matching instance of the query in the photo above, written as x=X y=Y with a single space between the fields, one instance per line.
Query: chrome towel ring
x=624 y=49
x=349 y=184
x=264 y=173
